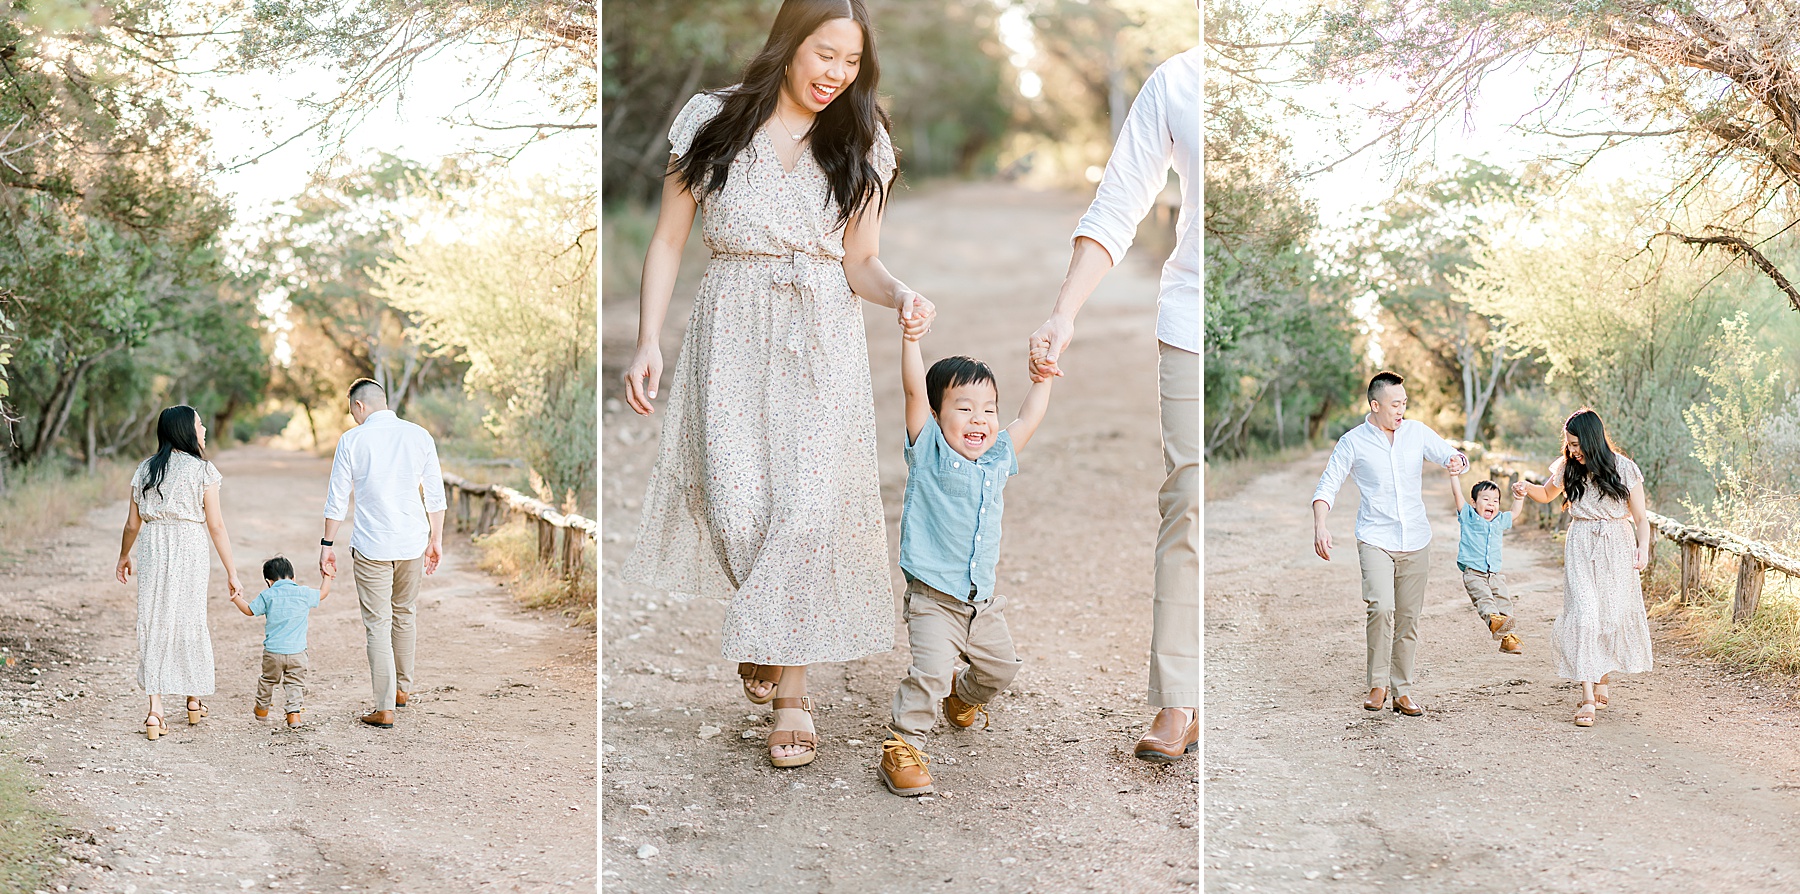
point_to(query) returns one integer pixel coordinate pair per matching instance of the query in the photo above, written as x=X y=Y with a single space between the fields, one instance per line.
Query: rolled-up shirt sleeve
x=1336 y=470
x=337 y=494
x=431 y=478
x=1136 y=172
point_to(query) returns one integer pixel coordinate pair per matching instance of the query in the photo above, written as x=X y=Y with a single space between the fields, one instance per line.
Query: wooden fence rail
x=480 y=508
x=1754 y=557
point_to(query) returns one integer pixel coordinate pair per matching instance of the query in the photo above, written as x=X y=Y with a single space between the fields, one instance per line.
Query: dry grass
x=1769 y=643
x=27 y=832
x=510 y=551
x=46 y=497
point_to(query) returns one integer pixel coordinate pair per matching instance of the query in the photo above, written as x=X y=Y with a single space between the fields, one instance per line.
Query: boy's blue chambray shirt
x=1480 y=546
x=285 y=605
x=950 y=521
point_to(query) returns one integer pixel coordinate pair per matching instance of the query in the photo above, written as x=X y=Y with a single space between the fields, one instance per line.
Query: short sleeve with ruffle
x=1556 y=473
x=137 y=477
x=210 y=477
x=699 y=110
x=881 y=155
x=1629 y=471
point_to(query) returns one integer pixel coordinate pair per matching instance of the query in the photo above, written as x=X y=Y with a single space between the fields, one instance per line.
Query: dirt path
x=486 y=784
x=1049 y=798
x=1690 y=782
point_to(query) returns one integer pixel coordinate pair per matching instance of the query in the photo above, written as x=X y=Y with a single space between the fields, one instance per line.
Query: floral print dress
x=766 y=491
x=1603 y=628
x=175 y=654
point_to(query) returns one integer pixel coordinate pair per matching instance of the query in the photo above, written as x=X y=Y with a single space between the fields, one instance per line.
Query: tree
x=1278 y=332
x=1716 y=79
x=324 y=260
x=1410 y=257
x=512 y=294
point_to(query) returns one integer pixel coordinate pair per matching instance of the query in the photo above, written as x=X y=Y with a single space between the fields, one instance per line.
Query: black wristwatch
x=324 y=542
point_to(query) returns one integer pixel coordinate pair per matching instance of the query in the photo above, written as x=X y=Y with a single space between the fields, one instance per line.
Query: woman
x=766 y=491
x=1602 y=628
x=174 y=494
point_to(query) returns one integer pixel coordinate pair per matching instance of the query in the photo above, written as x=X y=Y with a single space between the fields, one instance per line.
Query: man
x=391 y=467
x=1161 y=131
x=1386 y=454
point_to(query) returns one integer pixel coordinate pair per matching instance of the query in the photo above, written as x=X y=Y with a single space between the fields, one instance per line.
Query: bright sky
x=412 y=126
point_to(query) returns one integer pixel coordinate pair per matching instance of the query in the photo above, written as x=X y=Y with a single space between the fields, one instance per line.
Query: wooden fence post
x=546 y=541
x=1749 y=588
x=1690 y=571
x=572 y=541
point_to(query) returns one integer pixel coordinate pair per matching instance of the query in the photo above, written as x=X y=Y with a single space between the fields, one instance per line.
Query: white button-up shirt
x=387 y=462
x=1161 y=131
x=1392 y=513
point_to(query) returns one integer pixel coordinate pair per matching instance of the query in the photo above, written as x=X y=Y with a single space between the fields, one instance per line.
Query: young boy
x=1478 y=555
x=958 y=459
x=285 y=606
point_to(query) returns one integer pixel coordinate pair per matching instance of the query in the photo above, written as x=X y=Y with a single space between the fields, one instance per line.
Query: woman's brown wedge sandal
x=152 y=730
x=759 y=673
x=196 y=709
x=794 y=737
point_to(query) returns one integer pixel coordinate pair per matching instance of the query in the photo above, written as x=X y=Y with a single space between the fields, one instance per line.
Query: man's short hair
x=278 y=568
x=1382 y=380
x=955 y=372
x=359 y=390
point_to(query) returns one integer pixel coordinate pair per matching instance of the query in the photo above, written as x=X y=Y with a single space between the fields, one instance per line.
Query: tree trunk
x=93 y=436
x=1315 y=423
x=312 y=425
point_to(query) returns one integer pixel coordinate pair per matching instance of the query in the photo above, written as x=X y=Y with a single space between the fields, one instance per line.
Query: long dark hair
x=1601 y=469
x=176 y=429
x=842 y=134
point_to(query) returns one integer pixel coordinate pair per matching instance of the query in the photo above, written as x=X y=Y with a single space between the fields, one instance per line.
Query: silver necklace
x=797 y=136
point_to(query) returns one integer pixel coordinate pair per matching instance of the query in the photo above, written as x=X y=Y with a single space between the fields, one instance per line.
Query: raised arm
x=912 y=381
x=1456 y=490
x=869 y=277
x=1031 y=412
x=662 y=262
x=1440 y=451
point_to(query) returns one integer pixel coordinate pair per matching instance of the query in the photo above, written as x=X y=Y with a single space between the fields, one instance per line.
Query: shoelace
x=905 y=755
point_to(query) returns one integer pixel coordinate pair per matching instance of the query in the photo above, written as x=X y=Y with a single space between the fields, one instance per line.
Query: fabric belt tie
x=800 y=270
x=172 y=521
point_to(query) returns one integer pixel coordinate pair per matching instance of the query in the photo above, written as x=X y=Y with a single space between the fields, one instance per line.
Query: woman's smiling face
x=825 y=65
x=1572 y=446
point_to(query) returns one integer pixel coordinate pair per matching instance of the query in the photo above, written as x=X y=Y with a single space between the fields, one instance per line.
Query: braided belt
x=800 y=270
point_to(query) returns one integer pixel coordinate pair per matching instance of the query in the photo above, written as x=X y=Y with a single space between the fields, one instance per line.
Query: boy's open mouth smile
x=974 y=439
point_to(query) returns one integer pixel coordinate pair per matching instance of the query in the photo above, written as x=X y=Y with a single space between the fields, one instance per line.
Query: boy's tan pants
x=277 y=670
x=939 y=629
x=1175 y=615
x=387 y=591
x=1487 y=589
x=1393 y=587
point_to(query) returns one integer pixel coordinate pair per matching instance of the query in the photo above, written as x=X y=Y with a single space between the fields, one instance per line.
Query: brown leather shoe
x=383 y=719
x=1377 y=699
x=1170 y=736
x=1510 y=645
x=399 y=699
x=905 y=770
x=961 y=714
x=1403 y=704
x=261 y=713
x=1499 y=623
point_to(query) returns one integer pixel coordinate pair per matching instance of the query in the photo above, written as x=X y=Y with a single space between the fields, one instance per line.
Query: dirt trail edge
x=1049 y=798
x=1689 y=782
x=486 y=783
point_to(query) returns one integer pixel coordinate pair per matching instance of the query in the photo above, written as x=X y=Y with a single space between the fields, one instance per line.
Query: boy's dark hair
x=278 y=568
x=1483 y=485
x=955 y=372
x=1382 y=380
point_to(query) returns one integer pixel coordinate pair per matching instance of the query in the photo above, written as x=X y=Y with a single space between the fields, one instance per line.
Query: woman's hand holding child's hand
x=915 y=314
x=1518 y=490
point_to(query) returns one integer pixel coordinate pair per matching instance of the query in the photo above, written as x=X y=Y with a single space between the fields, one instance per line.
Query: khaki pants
x=1393 y=586
x=939 y=629
x=387 y=591
x=1175 y=632
x=282 y=670
x=1488 y=591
